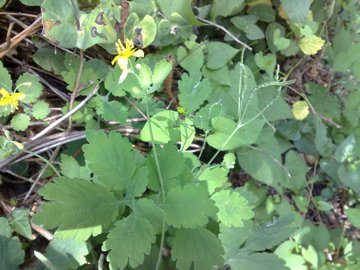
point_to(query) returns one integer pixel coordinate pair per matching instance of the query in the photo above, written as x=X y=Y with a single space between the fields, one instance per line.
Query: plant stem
x=162 y=239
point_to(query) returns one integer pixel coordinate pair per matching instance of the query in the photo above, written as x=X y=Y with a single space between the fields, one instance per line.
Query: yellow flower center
x=124 y=53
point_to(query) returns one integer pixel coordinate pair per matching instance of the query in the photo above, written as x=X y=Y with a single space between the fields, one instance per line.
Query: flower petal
x=4 y=102
x=120 y=46
x=138 y=53
x=122 y=62
x=18 y=96
x=123 y=75
x=14 y=103
x=115 y=59
x=4 y=93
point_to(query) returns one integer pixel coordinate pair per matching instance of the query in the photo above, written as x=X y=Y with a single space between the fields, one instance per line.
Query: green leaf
x=191 y=58
x=198 y=247
x=203 y=117
x=161 y=71
x=280 y=42
x=264 y=12
x=324 y=102
x=33 y=92
x=275 y=38
x=279 y=110
x=346 y=149
x=353 y=214
x=112 y=84
x=286 y=252
x=50 y=59
x=142 y=7
x=316 y=235
x=247 y=24
x=5 y=229
x=87 y=80
x=297 y=11
x=136 y=234
x=113 y=111
x=71 y=168
x=188 y=207
x=20 y=122
x=187 y=133
x=349 y=174
x=297 y=168
x=162 y=127
x=215 y=177
x=11 y=253
x=225 y=7
x=352 y=108
x=229 y=203
x=258 y=261
x=220 y=76
x=111 y=158
x=40 y=109
x=323 y=143
x=232 y=238
x=266 y=156
x=266 y=62
x=311 y=256
x=227 y=136
x=173 y=30
x=79 y=208
x=193 y=91
x=32 y=2
x=5 y=81
x=183 y=7
x=19 y=222
x=147 y=209
x=148 y=30
x=272 y=233
x=66 y=253
x=2 y=3
x=219 y=54
x=174 y=170
x=60 y=25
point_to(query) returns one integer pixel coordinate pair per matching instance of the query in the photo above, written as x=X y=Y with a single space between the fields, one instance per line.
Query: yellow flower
x=12 y=99
x=124 y=53
x=311 y=45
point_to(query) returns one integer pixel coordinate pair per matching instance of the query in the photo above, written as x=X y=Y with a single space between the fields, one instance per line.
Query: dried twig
x=76 y=88
x=32 y=29
x=65 y=116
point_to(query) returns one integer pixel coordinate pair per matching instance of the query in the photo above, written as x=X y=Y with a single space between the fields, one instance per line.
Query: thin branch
x=226 y=31
x=76 y=88
x=68 y=114
x=32 y=29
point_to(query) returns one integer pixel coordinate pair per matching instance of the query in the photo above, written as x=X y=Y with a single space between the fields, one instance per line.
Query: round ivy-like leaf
x=41 y=109
x=20 y=122
x=145 y=29
x=29 y=85
x=148 y=30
